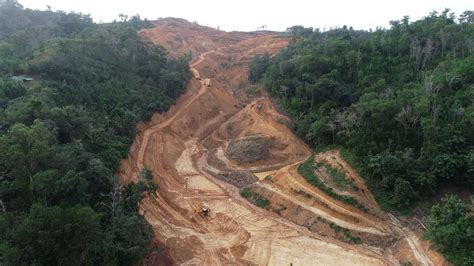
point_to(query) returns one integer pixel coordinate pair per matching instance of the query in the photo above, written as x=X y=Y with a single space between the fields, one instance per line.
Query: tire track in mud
x=164 y=124
x=295 y=179
x=413 y=242
x=325 y=215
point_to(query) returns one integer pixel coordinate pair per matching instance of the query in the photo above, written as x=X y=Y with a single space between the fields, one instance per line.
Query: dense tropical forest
x=400 y=100
x=63 y=135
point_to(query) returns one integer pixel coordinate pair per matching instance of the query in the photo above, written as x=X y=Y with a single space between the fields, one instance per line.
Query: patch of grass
x=255 y=198
x=347 y=156
x=246 y=192
x=307 y=195
x=336 y=227
x=319 y=164
x=252 y=91
x=279 y=209
x=338 y=177
x=306 y=169
x=352 y=239
x=348 y=237
x=261 y=201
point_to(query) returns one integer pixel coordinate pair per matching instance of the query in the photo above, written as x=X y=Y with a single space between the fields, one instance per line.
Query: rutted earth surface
x=187 y=149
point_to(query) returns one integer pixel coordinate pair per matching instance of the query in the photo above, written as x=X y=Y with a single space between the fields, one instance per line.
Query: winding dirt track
x=147 y=133
x=185 y=149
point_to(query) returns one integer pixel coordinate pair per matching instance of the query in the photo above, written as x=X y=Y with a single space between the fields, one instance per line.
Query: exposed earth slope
x=187 y=149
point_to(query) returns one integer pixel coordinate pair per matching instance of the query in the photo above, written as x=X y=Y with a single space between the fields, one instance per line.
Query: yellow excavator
x=204 y=210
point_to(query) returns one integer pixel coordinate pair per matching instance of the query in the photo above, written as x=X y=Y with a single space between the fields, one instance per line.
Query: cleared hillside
x=187 y=150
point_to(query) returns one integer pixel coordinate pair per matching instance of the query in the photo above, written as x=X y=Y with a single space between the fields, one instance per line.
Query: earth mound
x=249 y=149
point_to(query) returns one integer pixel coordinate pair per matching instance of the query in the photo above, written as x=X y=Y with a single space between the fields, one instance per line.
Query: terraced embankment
x=187 y=150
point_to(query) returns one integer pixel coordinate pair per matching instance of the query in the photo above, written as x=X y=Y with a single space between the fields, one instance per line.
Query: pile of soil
x=238 y=178
x=249 y=149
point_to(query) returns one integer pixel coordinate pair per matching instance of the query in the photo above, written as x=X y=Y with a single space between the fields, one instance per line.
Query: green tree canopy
x=451 y=227
x=62 y=136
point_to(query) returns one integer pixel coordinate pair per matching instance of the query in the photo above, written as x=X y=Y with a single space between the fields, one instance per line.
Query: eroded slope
x=187 y=150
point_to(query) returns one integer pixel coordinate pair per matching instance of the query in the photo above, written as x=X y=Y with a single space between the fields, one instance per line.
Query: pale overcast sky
x=247 y=15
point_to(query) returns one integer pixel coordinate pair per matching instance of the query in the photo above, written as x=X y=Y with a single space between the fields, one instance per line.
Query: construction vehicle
x=204 y=210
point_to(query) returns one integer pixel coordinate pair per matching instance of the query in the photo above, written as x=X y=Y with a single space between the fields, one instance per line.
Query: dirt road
x=185 y=148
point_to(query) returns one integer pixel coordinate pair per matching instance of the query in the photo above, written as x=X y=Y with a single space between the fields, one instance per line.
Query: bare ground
x=185 y=148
